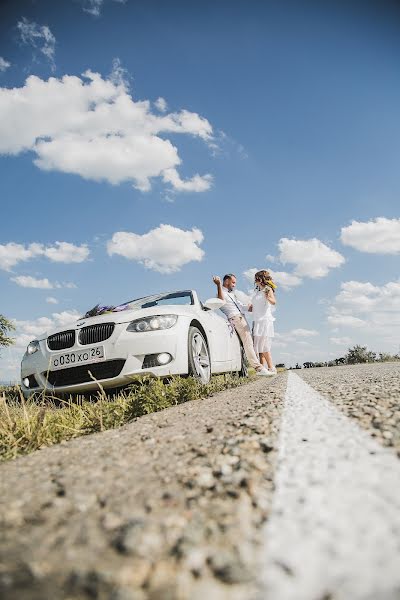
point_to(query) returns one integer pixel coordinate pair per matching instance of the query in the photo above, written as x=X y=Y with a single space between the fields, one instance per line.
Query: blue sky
x=147 y=146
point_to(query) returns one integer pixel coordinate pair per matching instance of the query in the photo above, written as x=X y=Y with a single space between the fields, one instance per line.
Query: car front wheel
x=198 y=355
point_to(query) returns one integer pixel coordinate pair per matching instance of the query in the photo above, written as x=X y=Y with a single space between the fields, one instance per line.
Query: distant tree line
x=356 y=355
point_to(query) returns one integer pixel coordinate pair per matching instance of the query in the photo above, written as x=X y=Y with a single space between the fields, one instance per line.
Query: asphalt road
x=333 y=530
x=369 y=394
x=275 y=490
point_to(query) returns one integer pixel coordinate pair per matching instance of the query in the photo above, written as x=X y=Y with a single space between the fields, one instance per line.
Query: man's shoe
x=264 y=373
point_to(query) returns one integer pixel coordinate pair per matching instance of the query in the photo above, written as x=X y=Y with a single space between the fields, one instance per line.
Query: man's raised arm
x=217 y=281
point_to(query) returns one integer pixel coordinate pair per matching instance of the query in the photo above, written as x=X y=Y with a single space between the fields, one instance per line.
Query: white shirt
x=232 y=307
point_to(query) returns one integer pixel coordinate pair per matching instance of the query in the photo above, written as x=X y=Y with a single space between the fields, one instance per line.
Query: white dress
x=263 y=327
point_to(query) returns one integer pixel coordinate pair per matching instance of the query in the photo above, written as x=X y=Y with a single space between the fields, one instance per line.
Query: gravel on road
x=169 y=507
x=368 y=393
x=333 y=530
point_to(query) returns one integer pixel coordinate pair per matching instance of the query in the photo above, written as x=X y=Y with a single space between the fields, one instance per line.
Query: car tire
x=199 y=362
x=244 y=368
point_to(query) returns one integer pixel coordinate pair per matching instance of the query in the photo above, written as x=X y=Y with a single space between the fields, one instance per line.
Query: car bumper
x=128 y=348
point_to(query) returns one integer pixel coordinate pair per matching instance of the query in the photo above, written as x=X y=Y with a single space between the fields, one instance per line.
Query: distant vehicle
x=161 y=335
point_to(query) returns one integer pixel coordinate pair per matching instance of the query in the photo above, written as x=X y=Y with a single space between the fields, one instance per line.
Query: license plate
x=77 y=357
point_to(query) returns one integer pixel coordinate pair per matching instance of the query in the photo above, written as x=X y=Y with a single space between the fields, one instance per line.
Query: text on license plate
x=77 y=357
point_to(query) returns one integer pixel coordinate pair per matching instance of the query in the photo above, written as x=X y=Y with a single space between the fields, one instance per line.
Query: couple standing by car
x=258 y=347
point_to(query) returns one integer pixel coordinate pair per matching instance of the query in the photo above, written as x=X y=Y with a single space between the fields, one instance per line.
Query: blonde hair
x=265 y=278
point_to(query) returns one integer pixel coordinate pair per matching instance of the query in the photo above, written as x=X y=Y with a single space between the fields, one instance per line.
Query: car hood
x=125 y=316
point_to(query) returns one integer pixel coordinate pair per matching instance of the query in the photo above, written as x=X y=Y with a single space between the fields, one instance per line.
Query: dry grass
x=27 y=425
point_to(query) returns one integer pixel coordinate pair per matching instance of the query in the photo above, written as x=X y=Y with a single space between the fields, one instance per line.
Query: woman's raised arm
x=270 y=296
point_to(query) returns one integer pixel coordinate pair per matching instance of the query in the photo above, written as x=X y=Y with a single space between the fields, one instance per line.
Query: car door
x=234 y=349
x=220 y=334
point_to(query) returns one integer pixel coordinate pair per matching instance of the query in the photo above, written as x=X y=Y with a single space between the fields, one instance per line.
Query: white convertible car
x=161 y=335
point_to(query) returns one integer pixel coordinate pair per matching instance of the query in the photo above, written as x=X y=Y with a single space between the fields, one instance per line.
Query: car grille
x=95 y=333
x=62 y=340
x=75 y=375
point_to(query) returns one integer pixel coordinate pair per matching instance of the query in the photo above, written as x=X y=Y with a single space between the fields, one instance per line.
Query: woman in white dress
x=261 y=306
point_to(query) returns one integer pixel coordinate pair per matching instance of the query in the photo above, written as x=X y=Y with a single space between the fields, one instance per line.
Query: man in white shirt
x=234 y=310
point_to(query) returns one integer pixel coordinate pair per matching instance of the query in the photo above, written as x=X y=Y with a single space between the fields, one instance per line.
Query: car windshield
x=185 y=298
x=173 y=298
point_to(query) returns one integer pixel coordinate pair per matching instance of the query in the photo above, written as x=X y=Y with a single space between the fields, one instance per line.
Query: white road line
x=334 y=529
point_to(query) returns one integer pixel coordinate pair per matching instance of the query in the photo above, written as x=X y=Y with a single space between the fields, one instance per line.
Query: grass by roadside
x=27 y=425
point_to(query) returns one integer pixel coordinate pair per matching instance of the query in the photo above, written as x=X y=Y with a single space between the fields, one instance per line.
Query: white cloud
x=295 y=336
x=93 y=7
x=161 y=104
x=29 y=330
x=283 y=279
x=28 y=281
x=164 y=249
x=249 y=274
x=280 y=343
x=337 y=319
x=380 y=236
x=188 y=122
x=197 y=183
x=32 y=282
x=92 y=127
x=364 y=297
x=311 y=257
x=38 y=36
x=340 y=341
x=270 y=258
x=119 y=76
x=11 y=254
x=379 y=307
x=304 y=333
x=303 y=344
x=65 y=252
x=66 y=317
x=4 y=64
x=51 y=300
x=9 y=371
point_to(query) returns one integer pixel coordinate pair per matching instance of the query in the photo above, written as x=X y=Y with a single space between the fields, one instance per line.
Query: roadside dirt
x=166 y=508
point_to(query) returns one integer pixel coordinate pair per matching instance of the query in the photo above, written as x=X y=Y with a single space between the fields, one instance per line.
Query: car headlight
x=32 y=347
x=152 y=323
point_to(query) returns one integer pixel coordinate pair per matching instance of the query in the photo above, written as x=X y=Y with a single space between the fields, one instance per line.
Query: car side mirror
x=213 y=303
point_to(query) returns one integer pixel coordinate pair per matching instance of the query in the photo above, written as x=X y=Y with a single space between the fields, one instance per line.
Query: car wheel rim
x=201 y=358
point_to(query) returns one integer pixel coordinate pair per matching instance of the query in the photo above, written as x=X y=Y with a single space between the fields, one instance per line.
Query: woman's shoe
x=264 y=372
